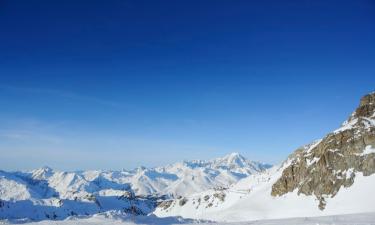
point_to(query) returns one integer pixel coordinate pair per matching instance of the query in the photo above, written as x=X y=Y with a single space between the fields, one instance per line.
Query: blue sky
x=119 y=84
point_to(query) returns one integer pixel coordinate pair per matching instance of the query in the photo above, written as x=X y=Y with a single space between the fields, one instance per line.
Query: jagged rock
x=165 y=204
x=323 y=167
x=128 y=195
x=134 y=210
x=60 y=202
x=90 y=197
x=322 y=203
x=220 y=196
x=182 y=201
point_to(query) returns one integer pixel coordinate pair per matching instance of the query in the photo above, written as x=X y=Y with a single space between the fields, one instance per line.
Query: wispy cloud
x=26 y=131
x=61 y=93
x=29 y=135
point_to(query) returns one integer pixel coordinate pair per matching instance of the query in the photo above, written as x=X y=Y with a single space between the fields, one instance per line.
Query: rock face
x=327 y=165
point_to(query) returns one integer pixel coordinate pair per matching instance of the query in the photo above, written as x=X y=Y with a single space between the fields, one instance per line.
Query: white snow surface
x=185 y=178
x=45 y=193
x=110 y=219
x=250 y=199
x=179 y=179
x=368 y=150
x=354 y=121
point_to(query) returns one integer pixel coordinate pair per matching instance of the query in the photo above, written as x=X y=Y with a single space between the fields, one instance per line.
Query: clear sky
x=119 y=84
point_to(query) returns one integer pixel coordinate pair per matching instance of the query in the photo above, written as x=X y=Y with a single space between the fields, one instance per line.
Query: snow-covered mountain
x=334 y=175
x=46 y=193
x=330 y=176
x=194 y=176
x=182 y=178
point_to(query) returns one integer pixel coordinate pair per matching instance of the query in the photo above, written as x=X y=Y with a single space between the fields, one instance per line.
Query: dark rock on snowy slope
x=325 y=166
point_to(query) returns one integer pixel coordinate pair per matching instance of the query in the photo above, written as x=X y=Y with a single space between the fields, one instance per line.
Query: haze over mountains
x=330 y=176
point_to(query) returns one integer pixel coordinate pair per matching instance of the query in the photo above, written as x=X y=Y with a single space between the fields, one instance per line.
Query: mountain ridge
x=46 y=193
x=332 y=175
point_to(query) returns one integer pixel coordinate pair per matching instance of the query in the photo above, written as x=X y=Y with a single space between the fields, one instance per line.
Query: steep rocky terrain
x=333 y=175
x=324 y=167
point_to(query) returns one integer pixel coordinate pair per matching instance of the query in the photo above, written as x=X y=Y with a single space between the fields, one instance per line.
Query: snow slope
x=184 y=178
x=110 y=219
x=45 y=193
x=250 y=199
x=334 y=175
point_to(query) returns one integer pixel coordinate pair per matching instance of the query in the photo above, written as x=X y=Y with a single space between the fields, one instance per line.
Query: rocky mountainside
x=334 y=175
x=324 y=167
x=46 y=193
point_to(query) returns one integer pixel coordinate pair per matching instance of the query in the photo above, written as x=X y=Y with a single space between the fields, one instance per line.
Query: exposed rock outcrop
x=325 y=166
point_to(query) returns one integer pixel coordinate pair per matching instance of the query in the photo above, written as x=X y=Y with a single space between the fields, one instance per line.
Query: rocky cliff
x=327 y=165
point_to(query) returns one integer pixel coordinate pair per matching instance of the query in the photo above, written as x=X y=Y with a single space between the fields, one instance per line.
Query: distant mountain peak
x=95 y=187
x=234 y=156
x=42 y=173
x=318 y=176
x=233 y=162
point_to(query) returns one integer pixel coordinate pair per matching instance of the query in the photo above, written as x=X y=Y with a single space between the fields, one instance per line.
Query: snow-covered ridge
x=333 y=175
x=46 y=193
x=188 y=177
x=250 y=199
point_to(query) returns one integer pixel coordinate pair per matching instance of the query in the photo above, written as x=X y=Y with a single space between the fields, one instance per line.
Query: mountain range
x=330 y=176
x=46 y=193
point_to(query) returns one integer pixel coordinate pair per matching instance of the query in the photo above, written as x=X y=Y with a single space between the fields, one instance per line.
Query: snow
x=309 y=147
x=258 y=204
x=188 y=177
x=12 y=188
x=44 y=192
x=350 y=219
x=368 y=150
x=228 y=190
x=182 y=178
x=250 y=198
x=312 y=161
x=347 y=125
x=367 y=122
